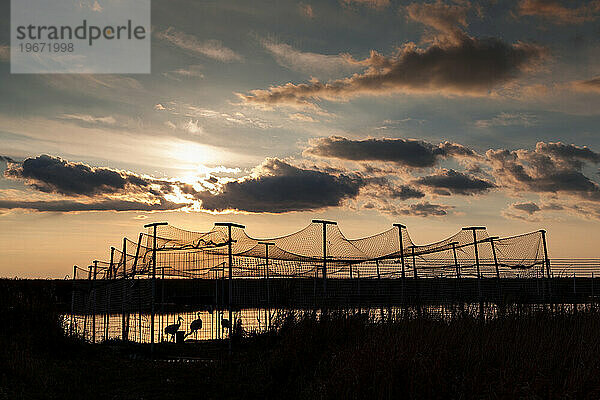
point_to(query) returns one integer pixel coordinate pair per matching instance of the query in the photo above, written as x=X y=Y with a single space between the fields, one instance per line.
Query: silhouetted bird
x=195 y=325
x=173 y=328
x=225 y=323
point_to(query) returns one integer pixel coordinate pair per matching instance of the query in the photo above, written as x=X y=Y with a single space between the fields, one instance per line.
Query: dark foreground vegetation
x=525 y=354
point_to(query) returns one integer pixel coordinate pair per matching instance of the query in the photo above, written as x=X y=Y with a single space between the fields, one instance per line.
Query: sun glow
x=200 y=159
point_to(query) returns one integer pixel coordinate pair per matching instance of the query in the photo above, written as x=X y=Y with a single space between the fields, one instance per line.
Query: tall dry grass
x=527 y=353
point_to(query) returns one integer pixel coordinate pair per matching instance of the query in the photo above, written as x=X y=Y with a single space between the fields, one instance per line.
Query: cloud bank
x=406 y=152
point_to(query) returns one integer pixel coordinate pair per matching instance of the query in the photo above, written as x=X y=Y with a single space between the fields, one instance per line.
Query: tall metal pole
x=497 y=272
x=124 y=293
x=87 y=301
x=495 y=257
x=133 y=272
x=401 y=247
x=162 y=300
x=230 y=256
x=547 y=262
x=137 y=254
x=457 y=283
x=229 y=225
x=152 y=308
x=95 y=269
x=414 y=263
x=109 y=292
x=325 y=223
x=112 y=261
x=546 y=259
x=416 y=282
x=73 y=300
x=401 y=243
x=474 y=229
x=455 y=259
x=325 y=259
x=268 y=313
x=379 y=289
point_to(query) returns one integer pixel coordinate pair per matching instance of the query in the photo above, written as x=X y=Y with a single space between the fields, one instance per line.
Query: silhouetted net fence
x=173 y=276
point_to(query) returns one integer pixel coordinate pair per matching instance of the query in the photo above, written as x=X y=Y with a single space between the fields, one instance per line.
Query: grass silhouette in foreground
x=526 y=354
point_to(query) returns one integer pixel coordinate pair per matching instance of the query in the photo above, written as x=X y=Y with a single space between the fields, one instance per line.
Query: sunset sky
x=437 y=115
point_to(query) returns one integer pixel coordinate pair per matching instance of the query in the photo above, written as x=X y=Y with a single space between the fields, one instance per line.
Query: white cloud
x=193 y=71
x=96 y=6
x=210 y=48
x=508 y=119
x=90 y=119
x=301 y=117
x=313 y=64
x=237 y=118
x=192 y=126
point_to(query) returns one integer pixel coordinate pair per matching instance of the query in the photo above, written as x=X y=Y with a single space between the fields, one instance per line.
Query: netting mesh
x=178 y=273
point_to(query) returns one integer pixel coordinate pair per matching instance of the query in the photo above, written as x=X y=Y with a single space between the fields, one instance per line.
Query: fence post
x=137 y=255
x=324 y=223
x=593 y=300
x=547 y=262
x=94 y=301
x=379 y=288
x=497 y=270
x=414 y=263
x=268 y=312
x=546 y=259
x=401 y=246
x=133 y=272
x=153 y=301
x=416 y=282
x=359 y=298
x=474 y=229
x=229 y=225
x=124 y=293
x=162 y=301
x=72 y=301
x=457 y=287
x=574 y=292
x=109 y=293
x=455 y=259
x=87 y=301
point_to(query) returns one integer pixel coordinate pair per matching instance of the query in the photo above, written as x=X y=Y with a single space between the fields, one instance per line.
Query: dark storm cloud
x=424 y=209
x=279 y=187
x=560 y=12
x=411 y=153
x=550 y=168
x=458 y=65
x=383 y=190
x=529 y=208
x=102 y=205
x=98 y=188
x=449 y=181
x=405 y=192
x=51 y=174
x=570 y=154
